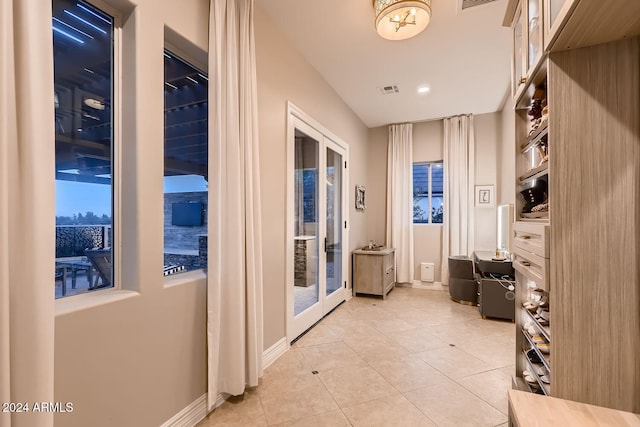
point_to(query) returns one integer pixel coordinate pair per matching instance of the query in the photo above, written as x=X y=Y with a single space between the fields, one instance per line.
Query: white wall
x=284 y=75
x=137 y=356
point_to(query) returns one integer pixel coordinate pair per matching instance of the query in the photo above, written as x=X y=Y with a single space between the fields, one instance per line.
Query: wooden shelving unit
x=535 y=173
x=585 y=253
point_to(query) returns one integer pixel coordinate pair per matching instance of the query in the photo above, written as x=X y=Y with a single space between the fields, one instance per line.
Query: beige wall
x=428 y=139
x=136 y=357
x=376 y=164
x=507 y=155
x=488 y=135
x=284 y=75
x=428 y=144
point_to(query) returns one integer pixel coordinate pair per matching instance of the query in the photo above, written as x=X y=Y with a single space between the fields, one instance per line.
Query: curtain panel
x=27 y=227
x=234 y=288
x=400 y=199
x=459 y=178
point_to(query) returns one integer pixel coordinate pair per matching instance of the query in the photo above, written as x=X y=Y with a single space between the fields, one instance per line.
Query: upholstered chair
x=463 y=281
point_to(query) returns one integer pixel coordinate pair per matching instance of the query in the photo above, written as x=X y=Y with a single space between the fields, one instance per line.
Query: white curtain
x=459 y=178
x=234 y=295
x=27 y=225
x=400 y=199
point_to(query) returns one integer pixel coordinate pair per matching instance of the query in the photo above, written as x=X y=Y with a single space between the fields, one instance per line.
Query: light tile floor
x=416 y=359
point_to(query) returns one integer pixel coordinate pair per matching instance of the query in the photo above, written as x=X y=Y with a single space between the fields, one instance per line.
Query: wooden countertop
x=382 y=251
x=533 y=410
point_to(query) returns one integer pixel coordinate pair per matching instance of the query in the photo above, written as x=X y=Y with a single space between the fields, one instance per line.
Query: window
x=83 y=50
x=428 y=193
x=185 y=165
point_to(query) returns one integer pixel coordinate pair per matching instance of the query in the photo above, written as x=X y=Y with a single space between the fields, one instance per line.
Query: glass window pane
x=421 y=193
x=436 y=209
x=83 y=101
x=185 y=166
x=437 y=192
x=425 y=191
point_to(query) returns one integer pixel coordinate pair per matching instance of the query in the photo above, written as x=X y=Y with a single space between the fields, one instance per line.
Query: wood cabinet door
x=556 y=13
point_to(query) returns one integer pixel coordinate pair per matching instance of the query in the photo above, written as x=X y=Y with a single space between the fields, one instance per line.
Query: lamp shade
x=401 y=19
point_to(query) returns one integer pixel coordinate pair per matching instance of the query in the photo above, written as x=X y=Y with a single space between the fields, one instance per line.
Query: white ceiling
x=463 y=56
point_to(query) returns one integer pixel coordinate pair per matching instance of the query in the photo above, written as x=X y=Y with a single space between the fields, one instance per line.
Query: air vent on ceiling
x=389 y=90
x=466 y=4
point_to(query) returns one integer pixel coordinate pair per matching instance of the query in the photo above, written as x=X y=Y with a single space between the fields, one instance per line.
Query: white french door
x=317 y=223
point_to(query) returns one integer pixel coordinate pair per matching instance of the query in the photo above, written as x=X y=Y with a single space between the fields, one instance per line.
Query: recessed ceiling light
x=424 y=89
x=94 y=103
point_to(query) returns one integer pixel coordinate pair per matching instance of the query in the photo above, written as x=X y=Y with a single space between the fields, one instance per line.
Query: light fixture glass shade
x=401 y=19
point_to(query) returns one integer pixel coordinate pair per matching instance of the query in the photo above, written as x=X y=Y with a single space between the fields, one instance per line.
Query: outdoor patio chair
x=61 y=277
x=101 y=261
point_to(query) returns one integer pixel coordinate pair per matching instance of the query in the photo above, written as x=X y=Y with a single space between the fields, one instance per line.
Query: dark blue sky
x=79 y=197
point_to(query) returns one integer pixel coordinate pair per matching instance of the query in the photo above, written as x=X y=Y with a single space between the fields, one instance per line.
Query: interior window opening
x=185 y=165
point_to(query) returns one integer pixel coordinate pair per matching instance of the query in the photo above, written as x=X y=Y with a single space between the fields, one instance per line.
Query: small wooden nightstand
x=374 y=271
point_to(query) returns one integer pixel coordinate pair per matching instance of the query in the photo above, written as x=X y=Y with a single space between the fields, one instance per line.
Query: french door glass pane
x=334 y=221
x=306 y=222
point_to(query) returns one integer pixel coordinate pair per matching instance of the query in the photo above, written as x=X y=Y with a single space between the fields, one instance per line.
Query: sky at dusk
x=79 y=197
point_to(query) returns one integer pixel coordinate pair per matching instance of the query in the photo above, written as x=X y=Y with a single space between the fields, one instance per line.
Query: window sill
x=89 y=300
x=183 y=278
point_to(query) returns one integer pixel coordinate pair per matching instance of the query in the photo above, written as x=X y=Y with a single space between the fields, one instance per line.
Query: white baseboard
x=191 y=415
x=271 y=354
x=433 y=286
x=220 y=400
x=194 y=413
x=197 y=410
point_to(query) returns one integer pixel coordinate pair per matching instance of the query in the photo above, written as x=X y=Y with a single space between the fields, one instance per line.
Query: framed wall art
x=360 y=203
x=485 y=196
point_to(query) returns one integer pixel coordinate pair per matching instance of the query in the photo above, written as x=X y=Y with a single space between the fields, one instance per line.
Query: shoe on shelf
x=542 y=313
x=544 y=347
x=543 y=316
x=539 y=339
x=533 y=356
x=539 y=369
x=528 y=377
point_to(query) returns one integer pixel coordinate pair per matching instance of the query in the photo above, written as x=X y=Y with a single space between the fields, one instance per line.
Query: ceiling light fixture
x=401 y=19
x=96 y=104
x=423 y=89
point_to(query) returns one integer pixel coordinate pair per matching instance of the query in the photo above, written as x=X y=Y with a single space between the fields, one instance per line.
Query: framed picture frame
x=360 y=201
x=485 y=196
